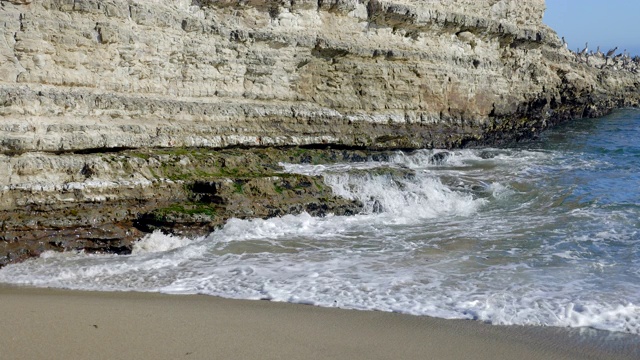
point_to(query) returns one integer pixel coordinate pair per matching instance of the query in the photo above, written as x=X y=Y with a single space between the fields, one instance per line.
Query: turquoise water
x=544 y=233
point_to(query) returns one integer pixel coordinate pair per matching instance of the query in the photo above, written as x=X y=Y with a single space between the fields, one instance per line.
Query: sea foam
x=491 y=235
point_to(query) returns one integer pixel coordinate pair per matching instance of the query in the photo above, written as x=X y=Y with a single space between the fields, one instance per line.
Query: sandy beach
x=58 y=324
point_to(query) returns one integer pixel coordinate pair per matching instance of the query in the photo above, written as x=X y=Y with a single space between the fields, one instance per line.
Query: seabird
x=608 y=55
x=584 y=53
x=586 y=48
x=599 y=53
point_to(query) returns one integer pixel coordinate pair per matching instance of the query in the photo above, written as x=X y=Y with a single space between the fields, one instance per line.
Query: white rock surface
x=98 y=74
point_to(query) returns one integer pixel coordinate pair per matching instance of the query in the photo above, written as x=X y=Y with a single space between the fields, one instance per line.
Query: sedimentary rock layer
x=106 y=201
x=106 y=74
x=81 y=78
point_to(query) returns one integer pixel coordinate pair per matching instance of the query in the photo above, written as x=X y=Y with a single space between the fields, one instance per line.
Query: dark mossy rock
x=190 y=192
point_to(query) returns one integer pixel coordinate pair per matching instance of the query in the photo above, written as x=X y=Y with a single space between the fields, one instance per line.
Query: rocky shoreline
x=110 y=200
x=122 y=117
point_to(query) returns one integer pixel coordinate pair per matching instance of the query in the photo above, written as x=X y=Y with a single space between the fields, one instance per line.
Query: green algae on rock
x=109 y=200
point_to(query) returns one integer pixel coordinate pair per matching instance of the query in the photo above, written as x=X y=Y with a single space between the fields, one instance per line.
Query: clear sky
x=608 y=23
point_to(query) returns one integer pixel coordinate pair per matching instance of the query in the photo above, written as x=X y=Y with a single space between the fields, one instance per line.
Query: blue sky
x=607 y=23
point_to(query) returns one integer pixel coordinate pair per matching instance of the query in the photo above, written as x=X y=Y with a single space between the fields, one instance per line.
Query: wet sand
x=58 y=324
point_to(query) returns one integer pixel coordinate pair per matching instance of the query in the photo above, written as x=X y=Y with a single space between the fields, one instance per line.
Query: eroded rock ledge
x=82 y=79
x=106 y=201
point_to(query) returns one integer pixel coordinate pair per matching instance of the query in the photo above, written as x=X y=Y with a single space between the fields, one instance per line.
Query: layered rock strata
x=100 y=74
x=79 y=78
x=105 y=202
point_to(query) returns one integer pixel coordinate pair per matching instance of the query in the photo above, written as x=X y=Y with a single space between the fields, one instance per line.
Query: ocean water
x=543 y=233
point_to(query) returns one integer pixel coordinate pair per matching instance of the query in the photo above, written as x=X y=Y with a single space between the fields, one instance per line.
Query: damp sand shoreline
x=62 y=324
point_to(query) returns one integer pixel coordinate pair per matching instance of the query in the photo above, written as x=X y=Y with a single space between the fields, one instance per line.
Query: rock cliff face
x=79 y=78
x=106 y=74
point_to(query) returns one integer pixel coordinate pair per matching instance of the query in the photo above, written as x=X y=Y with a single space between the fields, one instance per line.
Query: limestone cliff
x=105 y=74
x=79 y=78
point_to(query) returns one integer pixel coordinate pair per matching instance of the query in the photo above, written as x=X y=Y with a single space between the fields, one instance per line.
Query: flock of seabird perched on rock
x=621 y=61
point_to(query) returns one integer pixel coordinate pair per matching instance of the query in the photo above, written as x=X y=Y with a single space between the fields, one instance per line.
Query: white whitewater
x=514 y=236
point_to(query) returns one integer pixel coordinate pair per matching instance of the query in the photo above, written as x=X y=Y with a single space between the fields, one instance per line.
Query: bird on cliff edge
x=611 y=52
x=585 y=53
x=586 y=48
x=608 y=56
x=599 y=53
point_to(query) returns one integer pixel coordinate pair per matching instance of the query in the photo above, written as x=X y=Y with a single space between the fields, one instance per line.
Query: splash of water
x=493 y=235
